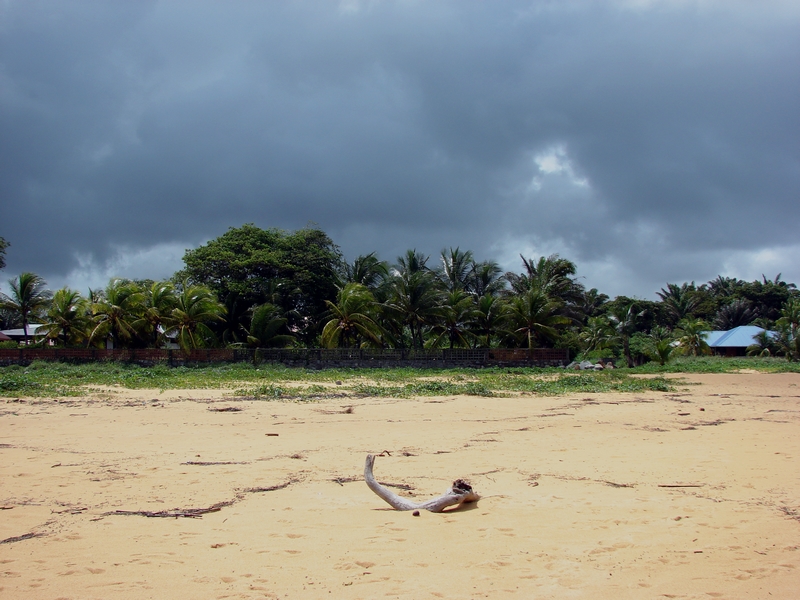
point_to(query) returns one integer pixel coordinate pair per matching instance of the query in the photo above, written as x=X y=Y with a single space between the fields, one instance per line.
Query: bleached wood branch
x=460 y=493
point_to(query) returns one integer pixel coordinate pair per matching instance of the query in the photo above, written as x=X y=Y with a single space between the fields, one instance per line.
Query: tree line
x=253 y=287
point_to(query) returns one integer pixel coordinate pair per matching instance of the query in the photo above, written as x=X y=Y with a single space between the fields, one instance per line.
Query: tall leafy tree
x=67 y=318
x=768 y=296
x=246 y=261
x=28 y=300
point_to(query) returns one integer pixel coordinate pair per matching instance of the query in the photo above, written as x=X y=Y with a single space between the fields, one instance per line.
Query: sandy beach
x=693 y=493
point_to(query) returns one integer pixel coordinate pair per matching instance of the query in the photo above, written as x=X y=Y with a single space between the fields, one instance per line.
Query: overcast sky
x=647 y=141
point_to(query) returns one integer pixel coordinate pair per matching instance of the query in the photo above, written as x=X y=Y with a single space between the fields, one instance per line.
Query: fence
x=314 y=358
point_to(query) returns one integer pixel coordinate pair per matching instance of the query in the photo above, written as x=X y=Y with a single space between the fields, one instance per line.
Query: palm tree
x=196 y=306
x=29 y=298
x=458 y=311
x=366 y=270
x=724 y=287
x=552 y=275
x=415 y=301
x=763 y=344
x=680 y=301
x=662 y=349
x=268 y=328
x=788 y=338
x=67 y=318
x=485 y=279
x=692 y=336
x=115 y=313
x=489 y=320
x=790 y=315
x=455 y=269
x=157 y=303
x=598 y=334
x=624 y=320
x=535 y=317
x=411 y=262
x=351 y=318
x=591 y=303
x=739 y=312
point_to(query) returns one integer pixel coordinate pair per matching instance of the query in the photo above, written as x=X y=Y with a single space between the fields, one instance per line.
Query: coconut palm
x=455 y=269
x=691 y=334
x=598 y=334
x=662 y=350
x=790 y=315
x=534 y=317
x=763 y=345
x=488 y=320
x=679 y=301
x=552 y=275
x=788 y=338
x=415 y=302
x=591 y=303
x=485 y=279
x=114 y=315
x=366 y=270
x=351 y=320
x=268 y=328
x=624 y=320
x=458 y=311
x=67 y=318
x=411 y=262
x=29 y=298
x=157 y=302
x=196 y=306
x=739 y=312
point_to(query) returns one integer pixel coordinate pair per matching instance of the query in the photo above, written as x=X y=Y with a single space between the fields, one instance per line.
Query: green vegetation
x=275 y=289
x=720 y=364
x=271 y=382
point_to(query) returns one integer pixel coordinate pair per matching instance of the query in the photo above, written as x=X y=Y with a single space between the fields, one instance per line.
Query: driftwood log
x=460 y=493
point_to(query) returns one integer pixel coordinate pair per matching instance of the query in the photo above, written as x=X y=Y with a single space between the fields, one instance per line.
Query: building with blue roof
x=735 y=341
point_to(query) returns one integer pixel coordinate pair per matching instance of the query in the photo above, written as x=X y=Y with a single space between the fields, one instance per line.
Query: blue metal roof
x=738 y=337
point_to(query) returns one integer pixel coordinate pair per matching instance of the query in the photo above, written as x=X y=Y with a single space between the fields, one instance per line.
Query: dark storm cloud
x=646 y=141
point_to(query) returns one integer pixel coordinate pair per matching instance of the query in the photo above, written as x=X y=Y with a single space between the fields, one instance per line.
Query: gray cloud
x=648 y=141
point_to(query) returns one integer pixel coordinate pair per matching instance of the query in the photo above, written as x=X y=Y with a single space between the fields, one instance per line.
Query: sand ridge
x=686 y=494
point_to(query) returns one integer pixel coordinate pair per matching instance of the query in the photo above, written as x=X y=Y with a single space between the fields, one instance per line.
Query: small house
x=734 y=342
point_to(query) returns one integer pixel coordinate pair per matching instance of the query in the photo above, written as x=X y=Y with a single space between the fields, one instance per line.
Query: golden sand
x=686 y=494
